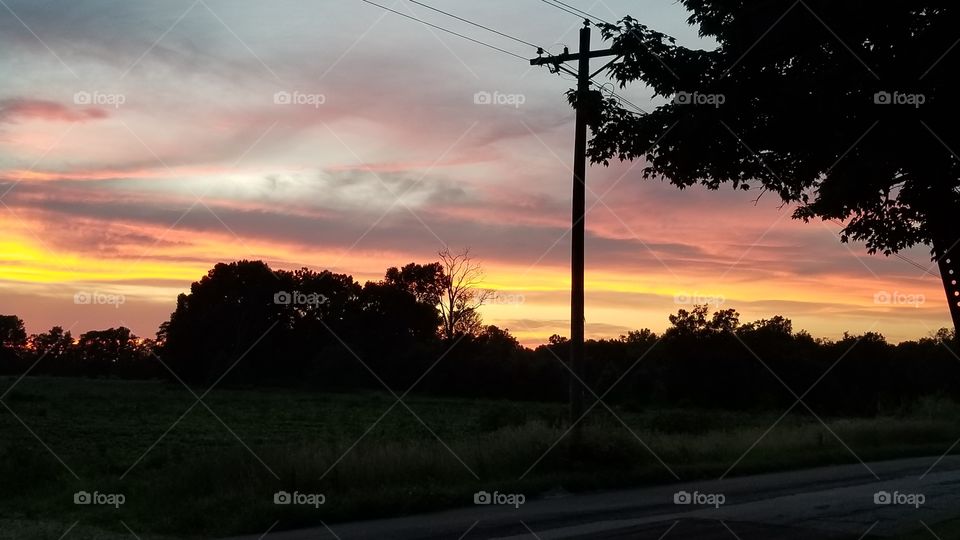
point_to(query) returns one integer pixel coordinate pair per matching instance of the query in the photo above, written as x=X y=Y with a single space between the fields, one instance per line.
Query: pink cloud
x=12 y=110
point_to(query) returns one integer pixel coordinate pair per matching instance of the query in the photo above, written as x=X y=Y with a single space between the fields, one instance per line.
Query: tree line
x=419 y=327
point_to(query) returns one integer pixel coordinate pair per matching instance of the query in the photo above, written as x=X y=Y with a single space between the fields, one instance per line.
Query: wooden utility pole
x=579 y=208
x=948 y=260
x=946 y=250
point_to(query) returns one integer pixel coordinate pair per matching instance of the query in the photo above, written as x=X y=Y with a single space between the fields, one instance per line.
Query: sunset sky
x=143 y=142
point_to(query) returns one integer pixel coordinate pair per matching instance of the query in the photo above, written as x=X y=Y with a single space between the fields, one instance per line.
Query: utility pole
x=946 y=250
x=579 y=209
x=948 y=260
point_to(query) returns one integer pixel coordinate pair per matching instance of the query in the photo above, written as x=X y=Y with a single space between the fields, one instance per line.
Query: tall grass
x=200 y=480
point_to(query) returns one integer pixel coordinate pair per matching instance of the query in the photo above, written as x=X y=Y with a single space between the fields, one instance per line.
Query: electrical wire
x=637 y=109
x=620 y=98
x=561 y=8
x=578 y=10
x=901 y=256
x=916 y=264
x=579 y=13
x=478 y=25
x=421 y=21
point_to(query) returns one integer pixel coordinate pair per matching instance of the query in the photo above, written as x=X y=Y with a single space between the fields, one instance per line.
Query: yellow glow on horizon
x=617 y=300
x=24 y=262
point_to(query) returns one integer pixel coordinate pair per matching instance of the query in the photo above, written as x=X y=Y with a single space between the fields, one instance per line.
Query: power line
x=592 y=20
x=561 y=8
x=900 y=256
x=468 y=38
x=578 y=10
x=910 y=261
x=603 y=88
x=622 y=99
x=478 y=25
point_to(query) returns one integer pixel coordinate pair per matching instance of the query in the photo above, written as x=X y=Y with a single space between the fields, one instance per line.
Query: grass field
x=184 y=473
x=942 y=531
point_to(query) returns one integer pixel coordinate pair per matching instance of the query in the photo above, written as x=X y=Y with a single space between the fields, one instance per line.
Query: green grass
x=201 y=481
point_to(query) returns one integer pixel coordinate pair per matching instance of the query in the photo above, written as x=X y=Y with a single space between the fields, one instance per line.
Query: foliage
x=843 y=108
x=245 y=324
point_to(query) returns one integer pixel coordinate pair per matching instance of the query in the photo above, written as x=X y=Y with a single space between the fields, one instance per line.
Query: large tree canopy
x=846 y=109
x=254 y=323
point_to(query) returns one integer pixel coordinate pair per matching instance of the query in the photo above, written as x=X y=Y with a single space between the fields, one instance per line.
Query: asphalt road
x=838 y=502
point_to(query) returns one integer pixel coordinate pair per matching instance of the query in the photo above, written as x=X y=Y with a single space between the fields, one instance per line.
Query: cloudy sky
x=141 y=142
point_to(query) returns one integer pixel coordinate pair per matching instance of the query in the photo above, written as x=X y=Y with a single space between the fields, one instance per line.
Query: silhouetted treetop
x=845 y=108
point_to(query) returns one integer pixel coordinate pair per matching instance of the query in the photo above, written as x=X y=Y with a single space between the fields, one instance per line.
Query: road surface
x=837 y=502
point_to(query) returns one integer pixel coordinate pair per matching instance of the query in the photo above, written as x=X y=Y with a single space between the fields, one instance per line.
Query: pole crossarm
x=568 y=56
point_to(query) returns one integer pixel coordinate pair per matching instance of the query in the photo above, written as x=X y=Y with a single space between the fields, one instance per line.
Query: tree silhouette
x=54 y=347
x=424 y=281
x=111 y=351
x=705 y=359
x=226 y=317
x=461 y=298
x=391 y=310
x=13 y=338
x=774 y=326
x=321 y=309
x=254 y=324
x=845 y=109
x=12 y=332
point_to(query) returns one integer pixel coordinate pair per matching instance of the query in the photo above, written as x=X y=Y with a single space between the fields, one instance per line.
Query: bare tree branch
x=462 y=297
